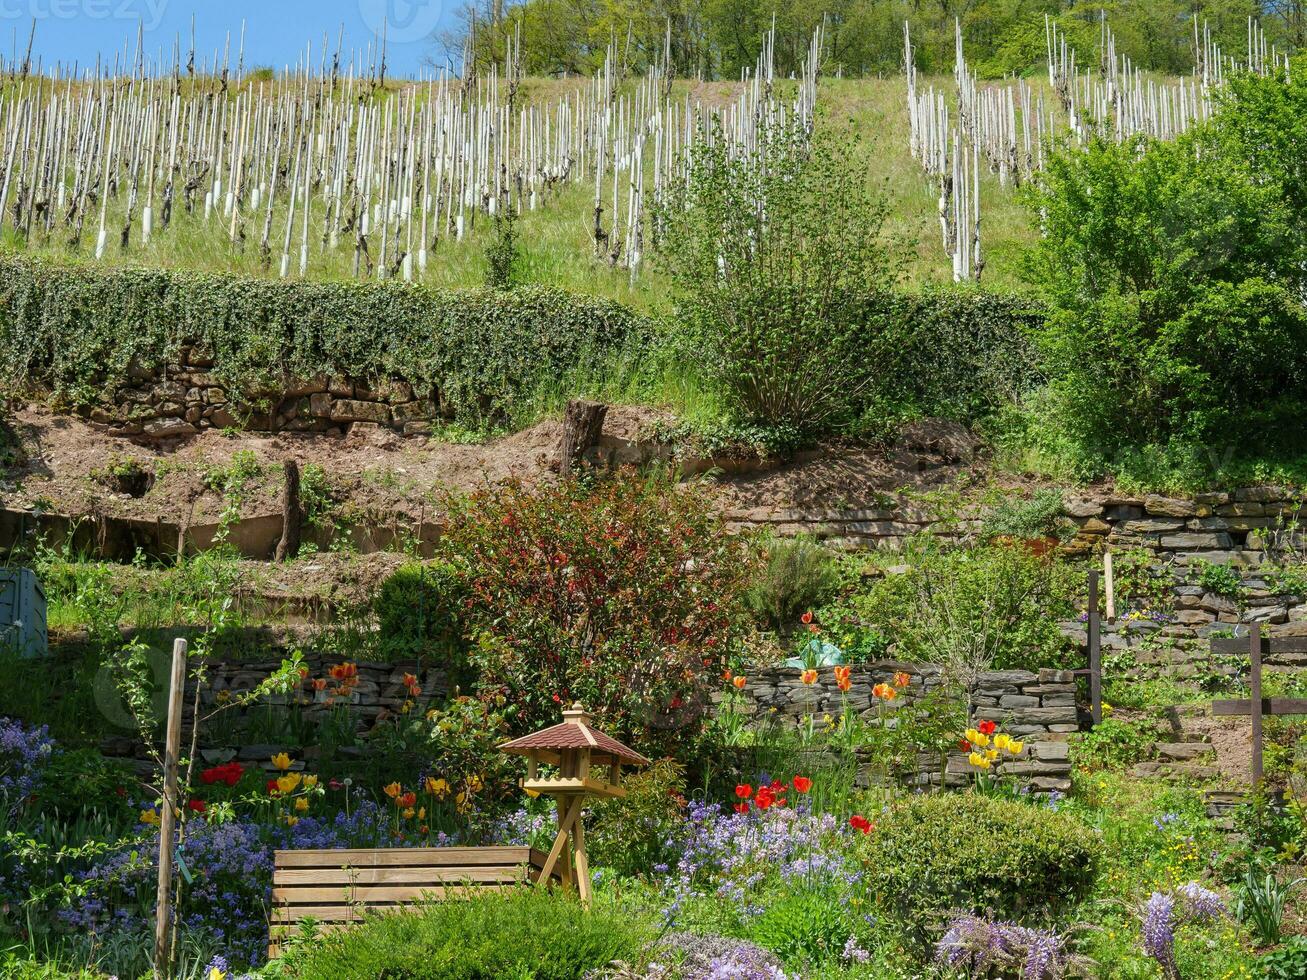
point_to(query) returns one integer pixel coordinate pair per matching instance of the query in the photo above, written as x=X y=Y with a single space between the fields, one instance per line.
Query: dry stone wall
x=182 y=398
x=1040 y=708
x=1237 y=525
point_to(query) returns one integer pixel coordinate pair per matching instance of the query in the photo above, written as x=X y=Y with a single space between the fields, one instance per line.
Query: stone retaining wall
x=184 y=397
x=1039 y=708
x=1237 y=525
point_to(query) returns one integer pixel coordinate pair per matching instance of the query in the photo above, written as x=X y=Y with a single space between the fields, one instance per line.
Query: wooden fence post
x=168 y=813
x=291 y=514
x=1255 y=654
x=1095 y=652
x=1109 y=581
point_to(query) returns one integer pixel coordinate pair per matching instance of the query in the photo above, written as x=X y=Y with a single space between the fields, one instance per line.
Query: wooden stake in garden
x=589 y=763
x=168 y=812
x=1255 y=706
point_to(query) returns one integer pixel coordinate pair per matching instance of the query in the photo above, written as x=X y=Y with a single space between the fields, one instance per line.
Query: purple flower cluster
x=24 y=754
x=1164 y=912
x=687 y=956
x=979 y=945
x=732 y=858
x=230 y=868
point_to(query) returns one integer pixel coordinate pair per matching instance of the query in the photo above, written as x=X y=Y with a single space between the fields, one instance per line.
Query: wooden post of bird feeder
x=588 y=763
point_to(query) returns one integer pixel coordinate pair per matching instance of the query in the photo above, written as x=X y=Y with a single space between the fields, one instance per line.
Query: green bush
x=78 y=330
x=804 y=926
x=941 y=852
x=1114 y=744
x=629 y=835
x=1175 y=278
x=994 y=607
x=795 y=575
x=789 y=308
x=622 y=594
x=528 y=933
x=1289 y=962
x=419 y=611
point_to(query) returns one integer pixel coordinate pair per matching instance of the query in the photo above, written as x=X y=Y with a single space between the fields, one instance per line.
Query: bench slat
x=344 y=912
x=397 y=876
x=368 y=895
x=400 y=857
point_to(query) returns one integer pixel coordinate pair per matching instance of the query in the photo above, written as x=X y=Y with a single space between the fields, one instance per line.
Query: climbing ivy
x=80 y=331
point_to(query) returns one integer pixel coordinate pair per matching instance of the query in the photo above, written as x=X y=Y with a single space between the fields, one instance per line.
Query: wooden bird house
x=587 y=763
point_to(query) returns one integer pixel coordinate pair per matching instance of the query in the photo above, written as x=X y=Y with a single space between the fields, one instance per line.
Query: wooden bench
x=335 y=887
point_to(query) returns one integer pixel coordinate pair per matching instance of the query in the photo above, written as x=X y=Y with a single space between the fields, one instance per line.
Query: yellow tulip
x=216 y=974
x=1016 y=747
x=422 y=813
x=437 y=787
x=1002 y=741
x=474 y=783
x=282 y=761
x=973 y=736
x=978 y=760
x=393 y=790
x=291 y=821
x=302 y=804
x=991 y=754
x=408 y=813
x=150 y=816
x=533 y=793
x=310 y=781
x=288 y=782
x=981 y=739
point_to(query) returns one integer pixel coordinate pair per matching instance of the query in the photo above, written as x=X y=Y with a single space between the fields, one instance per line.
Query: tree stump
x=582 y=424
x=289 y=545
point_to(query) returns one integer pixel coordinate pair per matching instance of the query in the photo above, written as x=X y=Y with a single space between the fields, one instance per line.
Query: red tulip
x=744 y=791
x=986 y=727
x=802 y=784
x=860 y=823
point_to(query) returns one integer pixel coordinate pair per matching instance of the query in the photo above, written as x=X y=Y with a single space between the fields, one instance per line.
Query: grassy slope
x=556 y=237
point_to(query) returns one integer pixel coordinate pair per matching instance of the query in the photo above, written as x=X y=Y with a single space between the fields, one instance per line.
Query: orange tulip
x=901 y=679
x=809 y=677
x=739 y=682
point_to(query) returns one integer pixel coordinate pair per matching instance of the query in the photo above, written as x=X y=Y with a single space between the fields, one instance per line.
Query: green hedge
x=75 y=330
x=941 y=853
x=958 y=353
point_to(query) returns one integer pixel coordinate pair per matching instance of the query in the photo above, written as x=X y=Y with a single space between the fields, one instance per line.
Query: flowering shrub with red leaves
x=623 y=595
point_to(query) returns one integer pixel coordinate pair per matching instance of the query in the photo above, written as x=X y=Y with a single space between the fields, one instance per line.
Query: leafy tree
x=771 y=277
x=1176 y=279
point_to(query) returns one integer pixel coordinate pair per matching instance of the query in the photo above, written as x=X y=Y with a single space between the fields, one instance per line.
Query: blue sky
x=276 y=30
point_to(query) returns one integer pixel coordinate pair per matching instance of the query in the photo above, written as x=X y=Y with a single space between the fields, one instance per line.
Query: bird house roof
x=575 y=733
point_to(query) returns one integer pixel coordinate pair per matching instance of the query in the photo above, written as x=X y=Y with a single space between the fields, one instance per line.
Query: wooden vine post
x=589 y=763
x=168 y=812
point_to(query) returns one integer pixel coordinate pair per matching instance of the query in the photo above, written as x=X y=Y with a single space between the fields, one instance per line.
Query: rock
x=1170 y=507
x=1018 y=701
x=1195 y=541
x=1183 y=751
x=1082 y=507
x=1152 y=526
x=1051 y=751
x=353 y=410
x=168 y=429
